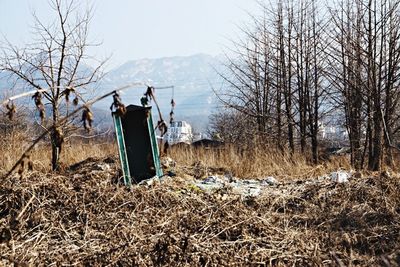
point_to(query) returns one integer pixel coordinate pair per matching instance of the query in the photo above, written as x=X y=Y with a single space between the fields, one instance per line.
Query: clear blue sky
x=133 y=29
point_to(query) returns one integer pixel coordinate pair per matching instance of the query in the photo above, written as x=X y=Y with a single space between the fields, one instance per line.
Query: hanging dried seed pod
x=149 y=92
x=37 y=97
x=171 y=117
x=75 y=101
x=120 y=108
x=11 y=110
x=87 y=118
x=162 y=126
x=67 y=92
x=171 y=114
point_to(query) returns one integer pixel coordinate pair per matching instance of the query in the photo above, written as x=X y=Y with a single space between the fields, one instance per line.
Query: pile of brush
x=86 y=217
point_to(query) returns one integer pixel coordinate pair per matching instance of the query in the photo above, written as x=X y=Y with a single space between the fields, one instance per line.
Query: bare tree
x=55 y=60
x=297 y=62
x=276 y=76
x=365 y=64
x=231 y=126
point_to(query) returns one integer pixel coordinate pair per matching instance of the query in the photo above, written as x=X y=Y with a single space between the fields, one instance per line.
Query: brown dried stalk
x=87 y=118
x=117 y=106
x=37 y=97
x=11 y=110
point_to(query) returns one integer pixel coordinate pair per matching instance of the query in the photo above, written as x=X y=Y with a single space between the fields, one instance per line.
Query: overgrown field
x=84 y=216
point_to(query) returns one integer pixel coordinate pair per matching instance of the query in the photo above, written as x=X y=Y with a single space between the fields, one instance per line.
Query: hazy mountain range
x=193 y=78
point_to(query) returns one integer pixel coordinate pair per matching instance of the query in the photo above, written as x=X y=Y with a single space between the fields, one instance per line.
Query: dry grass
x=251 y=162
x=83 y=218
x=14 y=144
x=255 y=162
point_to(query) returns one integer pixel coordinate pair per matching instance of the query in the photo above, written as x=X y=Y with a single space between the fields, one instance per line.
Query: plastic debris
x=340 y=177
x=269 y=181
x=210 y=183
x=245 y=188
x=150 y=182
x=212 y=180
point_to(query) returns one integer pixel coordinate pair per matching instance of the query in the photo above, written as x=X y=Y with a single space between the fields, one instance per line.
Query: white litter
x=340 y=177
x=269 y=181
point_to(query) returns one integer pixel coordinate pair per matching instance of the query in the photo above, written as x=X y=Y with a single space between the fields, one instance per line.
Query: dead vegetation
x=15 y=141
x=254 y=161
x=84 y=216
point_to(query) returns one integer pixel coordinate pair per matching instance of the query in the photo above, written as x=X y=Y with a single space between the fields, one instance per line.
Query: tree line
x=303 y=60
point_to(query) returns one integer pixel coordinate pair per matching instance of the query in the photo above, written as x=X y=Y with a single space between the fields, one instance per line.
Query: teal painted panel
x=154 y=145
x=122 y=149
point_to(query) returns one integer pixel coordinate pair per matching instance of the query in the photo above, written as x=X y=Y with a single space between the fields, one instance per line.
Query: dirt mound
x=85 y=217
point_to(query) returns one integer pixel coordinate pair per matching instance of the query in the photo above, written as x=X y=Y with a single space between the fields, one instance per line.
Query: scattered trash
x=167 y=162
x=269 y=181
x=245 y=188
x=229 y=177
x=340 y=177
x=259 y=222
x=150 y=182
x=211 y=183
x=212 y=180
x=250 y=182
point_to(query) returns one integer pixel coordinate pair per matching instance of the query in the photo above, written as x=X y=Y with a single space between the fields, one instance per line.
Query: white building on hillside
x=179 y=131
x=332 y=132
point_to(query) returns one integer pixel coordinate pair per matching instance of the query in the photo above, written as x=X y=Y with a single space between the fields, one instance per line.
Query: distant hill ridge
x=193 y=78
